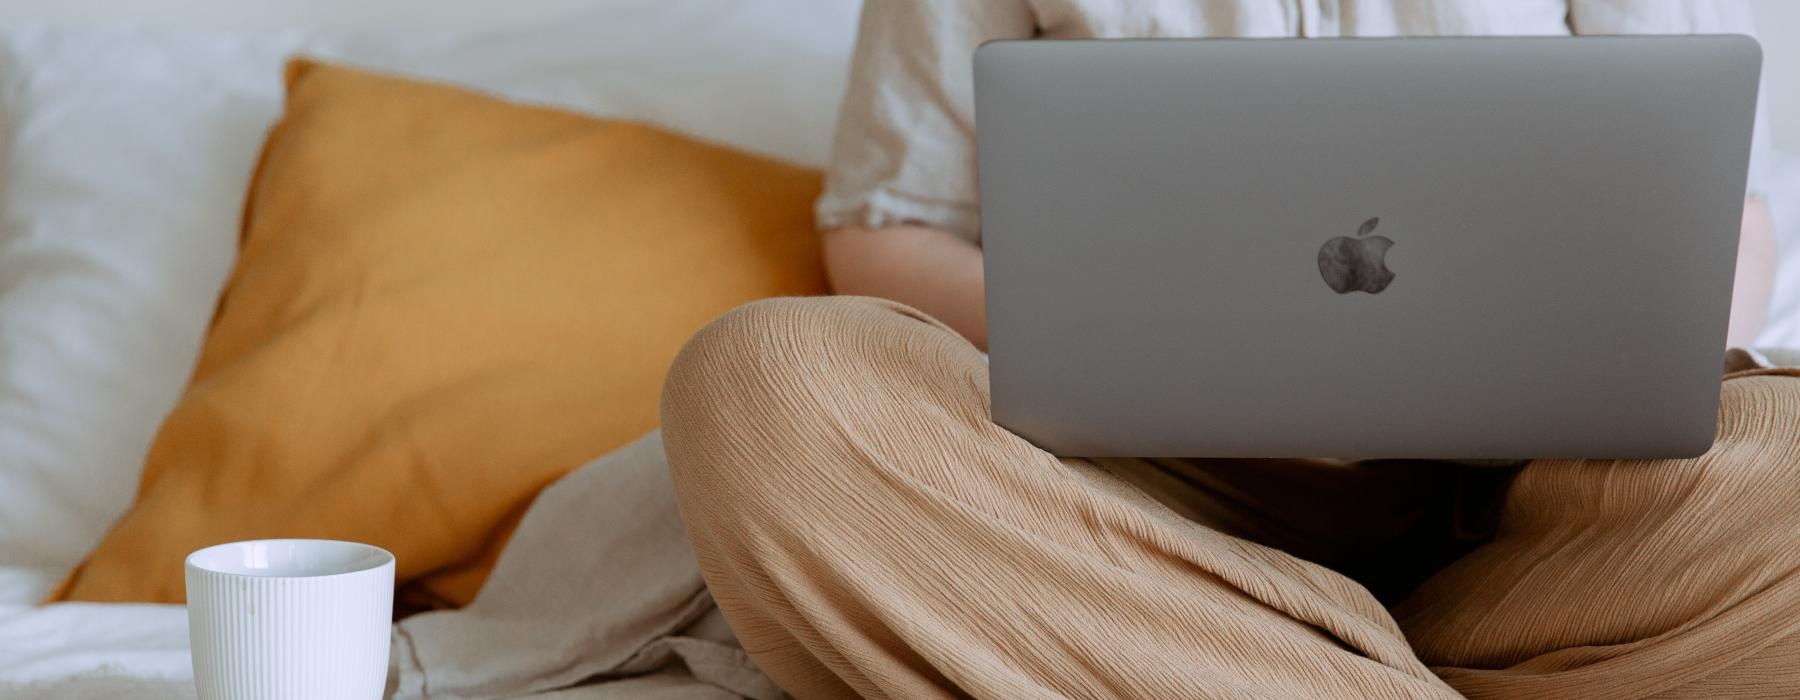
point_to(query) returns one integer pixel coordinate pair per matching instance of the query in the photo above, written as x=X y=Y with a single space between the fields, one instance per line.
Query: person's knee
x=1743 y=488
x=758 y=387
x=1755 y=461
x=775 y=352
x=759 y=352
x=775 y=404
x=751 y=354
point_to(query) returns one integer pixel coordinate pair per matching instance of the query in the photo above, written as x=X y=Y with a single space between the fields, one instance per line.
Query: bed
x=118 y=232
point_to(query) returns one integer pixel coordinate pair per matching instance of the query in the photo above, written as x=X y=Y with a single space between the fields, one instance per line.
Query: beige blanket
x=596 y=589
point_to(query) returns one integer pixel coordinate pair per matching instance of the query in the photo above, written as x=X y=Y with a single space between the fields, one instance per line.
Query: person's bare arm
x=940 y=273
x=929 y=269
x=1755 y=275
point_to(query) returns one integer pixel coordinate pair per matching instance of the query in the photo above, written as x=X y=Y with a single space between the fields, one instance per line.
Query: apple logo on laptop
x=1356 y=264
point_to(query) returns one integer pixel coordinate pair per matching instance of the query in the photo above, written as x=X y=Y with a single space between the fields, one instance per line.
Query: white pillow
x=127 y=152
x=125 y=161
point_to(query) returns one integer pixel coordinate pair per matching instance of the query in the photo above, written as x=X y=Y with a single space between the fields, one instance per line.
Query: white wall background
x=381 y=15
x=1778 y=22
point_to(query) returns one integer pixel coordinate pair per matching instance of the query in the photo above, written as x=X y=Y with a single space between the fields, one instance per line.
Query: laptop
x=1449 y=248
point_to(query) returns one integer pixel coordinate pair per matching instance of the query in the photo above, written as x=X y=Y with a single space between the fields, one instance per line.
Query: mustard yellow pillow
x=442 y=303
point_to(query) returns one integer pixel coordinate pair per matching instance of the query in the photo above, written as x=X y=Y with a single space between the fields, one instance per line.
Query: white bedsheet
x=58 y=642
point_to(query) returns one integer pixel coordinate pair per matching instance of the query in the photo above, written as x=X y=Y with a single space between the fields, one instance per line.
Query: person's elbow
x=930 y=269
x=851 y=254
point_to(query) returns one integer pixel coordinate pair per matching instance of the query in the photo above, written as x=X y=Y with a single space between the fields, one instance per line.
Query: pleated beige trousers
x=867 y=530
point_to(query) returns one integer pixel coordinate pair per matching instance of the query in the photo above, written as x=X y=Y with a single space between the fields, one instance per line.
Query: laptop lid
x=1185 y=240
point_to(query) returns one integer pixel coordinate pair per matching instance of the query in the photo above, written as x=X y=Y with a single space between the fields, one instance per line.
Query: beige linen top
x=905 y=145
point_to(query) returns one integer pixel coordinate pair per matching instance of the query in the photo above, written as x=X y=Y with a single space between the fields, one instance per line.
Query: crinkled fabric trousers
x=868 y=530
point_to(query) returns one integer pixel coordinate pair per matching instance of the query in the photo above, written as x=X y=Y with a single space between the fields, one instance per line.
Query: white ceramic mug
x=290 y=619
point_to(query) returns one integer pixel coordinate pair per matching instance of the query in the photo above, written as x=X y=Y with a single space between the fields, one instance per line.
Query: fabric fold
x=597 y=595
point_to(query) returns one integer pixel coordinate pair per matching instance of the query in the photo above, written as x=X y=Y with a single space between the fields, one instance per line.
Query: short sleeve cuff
x=881 y=207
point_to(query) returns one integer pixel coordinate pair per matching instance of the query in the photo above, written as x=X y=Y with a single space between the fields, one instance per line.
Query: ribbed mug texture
x=291 y=637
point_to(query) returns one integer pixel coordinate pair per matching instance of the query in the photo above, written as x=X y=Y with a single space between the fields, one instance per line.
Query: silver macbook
x=1434 y=248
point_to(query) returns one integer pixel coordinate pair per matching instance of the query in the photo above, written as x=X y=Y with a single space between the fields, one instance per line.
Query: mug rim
x=382 y=559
